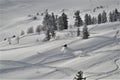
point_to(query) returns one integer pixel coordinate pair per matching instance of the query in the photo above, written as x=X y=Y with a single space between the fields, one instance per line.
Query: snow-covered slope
x=14 y=13
x=98 y=57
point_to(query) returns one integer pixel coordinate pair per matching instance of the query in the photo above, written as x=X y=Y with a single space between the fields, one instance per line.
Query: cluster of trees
x=114 y=16
x=52 y=22
x=101 y=18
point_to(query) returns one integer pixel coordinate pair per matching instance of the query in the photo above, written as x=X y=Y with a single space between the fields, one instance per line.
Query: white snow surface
x=98 y=57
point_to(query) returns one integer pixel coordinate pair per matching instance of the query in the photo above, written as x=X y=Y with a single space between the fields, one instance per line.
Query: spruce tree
x=78 y=20
x=99 y=18
x=46 y=20
x=116 y=13
x=65 y=20
x=54 y=21
x=104 y=17
x=110 y=17
x=89 y=20
x=60 y=23
x=85 y=32
x=86 y=19
x=79 y=76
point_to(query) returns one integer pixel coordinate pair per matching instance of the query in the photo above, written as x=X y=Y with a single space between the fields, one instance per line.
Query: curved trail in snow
x=106 y=74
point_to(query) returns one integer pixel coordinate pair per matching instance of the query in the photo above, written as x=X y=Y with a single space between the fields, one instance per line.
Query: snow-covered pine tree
x=60 y=22
x=115 y=14
x=79 y=76
x=78 y=32
x=104 y=17
x=85 y=32
x=110 y=17
x=93 y=20
x=54 y=21
x=89 y=20
x=86 y=19
x=65 y=20
x=78 y=20
x=46 y=20
x=99 y=18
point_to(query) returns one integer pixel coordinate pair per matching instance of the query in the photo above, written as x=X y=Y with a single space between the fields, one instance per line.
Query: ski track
x=102 y=75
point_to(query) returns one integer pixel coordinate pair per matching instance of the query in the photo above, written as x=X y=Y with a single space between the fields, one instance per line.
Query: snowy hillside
x=14 y=13
x=98 y=57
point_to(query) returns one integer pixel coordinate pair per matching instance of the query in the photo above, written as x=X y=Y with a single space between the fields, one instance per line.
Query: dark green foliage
x=104 y=17
x=99 y=18
x=60 y=23
x=54 y=21
x=114 y=16
x=78 y=20
x=93 y=20
x=85 y=32
x=65 y=21
x=88 y=19
x=79 y=76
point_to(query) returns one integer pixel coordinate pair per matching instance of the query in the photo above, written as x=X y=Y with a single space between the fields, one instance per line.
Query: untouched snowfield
x=32 y=59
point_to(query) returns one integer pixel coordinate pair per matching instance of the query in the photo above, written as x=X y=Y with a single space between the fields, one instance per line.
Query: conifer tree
x=60 y=22
x=85 y=32
x=86 y=19
x=78 y=20
x=116 y=14
x=54 y=21
x=99 y=18
x=65 y=20
x=104 y=17
x=110 y=17
x=79 y=76
x=89 y=20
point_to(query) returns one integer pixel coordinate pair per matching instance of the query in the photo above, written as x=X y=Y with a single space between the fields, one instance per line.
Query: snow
x=98 y=57
x=43 y=60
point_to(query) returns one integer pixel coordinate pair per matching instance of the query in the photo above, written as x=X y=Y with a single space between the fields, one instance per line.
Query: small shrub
x=30 y=30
